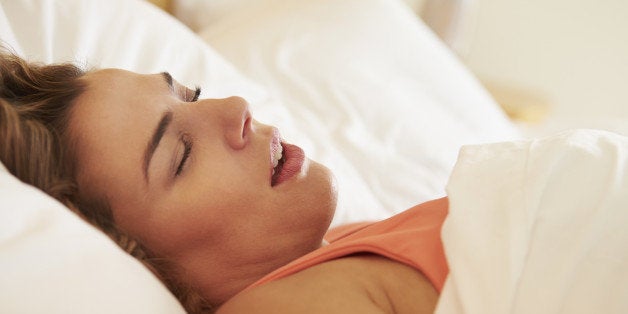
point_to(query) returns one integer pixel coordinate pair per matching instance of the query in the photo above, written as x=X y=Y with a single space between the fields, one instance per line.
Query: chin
x=328 y=191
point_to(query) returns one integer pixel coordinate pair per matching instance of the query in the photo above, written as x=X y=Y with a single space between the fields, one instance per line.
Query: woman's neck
x=222 y=278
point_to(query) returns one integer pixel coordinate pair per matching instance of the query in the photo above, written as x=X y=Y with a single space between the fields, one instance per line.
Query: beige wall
x=573 y=53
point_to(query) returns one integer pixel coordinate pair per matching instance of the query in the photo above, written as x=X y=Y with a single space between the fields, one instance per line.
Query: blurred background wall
x=553 y=64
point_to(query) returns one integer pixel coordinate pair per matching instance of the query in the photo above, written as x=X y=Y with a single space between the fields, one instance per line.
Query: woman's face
x=193 y=180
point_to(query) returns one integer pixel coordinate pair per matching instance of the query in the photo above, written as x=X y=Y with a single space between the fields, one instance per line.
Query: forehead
x=111 y=122
x=117 y=82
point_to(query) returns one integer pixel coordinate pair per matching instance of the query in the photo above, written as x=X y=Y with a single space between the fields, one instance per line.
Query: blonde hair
x=36 y=101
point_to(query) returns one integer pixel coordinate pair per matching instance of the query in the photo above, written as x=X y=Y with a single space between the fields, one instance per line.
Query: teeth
x=276 y=156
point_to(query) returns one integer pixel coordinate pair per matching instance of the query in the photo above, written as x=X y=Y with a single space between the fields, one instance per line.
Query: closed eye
x=187 y=150
x=197 y=93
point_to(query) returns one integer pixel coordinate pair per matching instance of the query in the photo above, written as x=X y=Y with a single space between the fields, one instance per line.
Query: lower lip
x=294 y=158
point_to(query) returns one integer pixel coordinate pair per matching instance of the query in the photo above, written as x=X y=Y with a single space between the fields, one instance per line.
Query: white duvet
x=539 y=227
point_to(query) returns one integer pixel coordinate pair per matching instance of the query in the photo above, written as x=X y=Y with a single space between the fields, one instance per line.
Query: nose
x=235 y=118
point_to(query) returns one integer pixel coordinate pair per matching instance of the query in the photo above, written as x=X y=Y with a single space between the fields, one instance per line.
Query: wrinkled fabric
x=539 y=226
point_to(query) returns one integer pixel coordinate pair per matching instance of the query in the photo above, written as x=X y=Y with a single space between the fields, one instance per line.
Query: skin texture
x=219 y=220
x=354 y=284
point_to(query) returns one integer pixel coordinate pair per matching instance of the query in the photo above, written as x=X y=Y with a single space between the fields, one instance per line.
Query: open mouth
x=287 y=161
x=278 y=161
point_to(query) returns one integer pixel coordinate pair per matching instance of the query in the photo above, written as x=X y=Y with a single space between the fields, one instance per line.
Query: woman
x=213 y=201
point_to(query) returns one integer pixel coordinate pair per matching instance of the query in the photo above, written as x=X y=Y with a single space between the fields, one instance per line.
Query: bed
x=362 y=85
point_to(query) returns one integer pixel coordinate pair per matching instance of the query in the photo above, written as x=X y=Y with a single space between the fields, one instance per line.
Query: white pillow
x=198 y=14
x=52 y=262
x=386 y=104
x=127 y=34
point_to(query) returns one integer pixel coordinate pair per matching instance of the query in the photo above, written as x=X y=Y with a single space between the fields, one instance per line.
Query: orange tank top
x=411 y=237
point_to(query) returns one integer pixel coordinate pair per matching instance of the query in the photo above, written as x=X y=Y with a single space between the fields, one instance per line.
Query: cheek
x=221 y=211
x=200 y=219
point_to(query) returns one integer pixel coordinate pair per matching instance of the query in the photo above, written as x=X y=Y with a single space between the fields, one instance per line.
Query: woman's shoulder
x=347 y=285
x=324 y=288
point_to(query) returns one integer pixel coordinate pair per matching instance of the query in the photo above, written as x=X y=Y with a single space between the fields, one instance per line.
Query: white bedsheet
x=539 y=227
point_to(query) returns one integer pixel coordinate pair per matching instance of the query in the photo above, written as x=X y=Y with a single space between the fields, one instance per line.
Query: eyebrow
x=160 y=130
x=153 y=143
